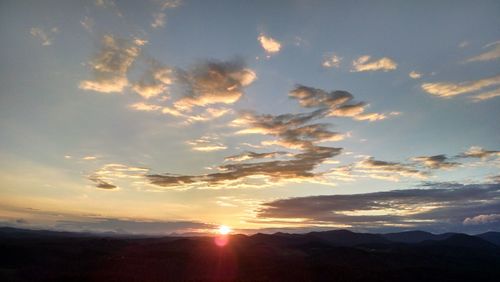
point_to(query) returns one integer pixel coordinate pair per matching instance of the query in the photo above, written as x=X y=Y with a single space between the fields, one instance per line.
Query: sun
x=224 y=230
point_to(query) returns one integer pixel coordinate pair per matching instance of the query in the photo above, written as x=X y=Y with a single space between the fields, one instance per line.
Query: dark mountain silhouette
x=492 y=237
x=347 y=238
x=415 y=236
x=337 y=255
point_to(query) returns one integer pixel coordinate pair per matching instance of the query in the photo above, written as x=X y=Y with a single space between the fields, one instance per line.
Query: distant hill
x=415 y=236
x=492 y=237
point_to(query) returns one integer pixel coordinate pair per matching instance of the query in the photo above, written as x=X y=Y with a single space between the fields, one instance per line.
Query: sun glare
x=224 y=230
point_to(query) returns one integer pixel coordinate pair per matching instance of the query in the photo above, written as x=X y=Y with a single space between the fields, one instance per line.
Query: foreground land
x=337 y=255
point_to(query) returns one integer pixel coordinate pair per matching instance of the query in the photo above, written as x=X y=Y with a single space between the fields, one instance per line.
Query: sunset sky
x=177 y=116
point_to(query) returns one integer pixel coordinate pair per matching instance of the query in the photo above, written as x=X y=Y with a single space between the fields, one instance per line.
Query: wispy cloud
x=111 y=64
x=248 y=155
x=388 y=170
x=450 y=89
x=107 y=175
x=486 y=95
x=133 y=226
x=45 y=37
x=366 y=63
x=170 y=4
x=89 y=158
x=490 y=55
x=159 y=20
x=206 y=144
x=87 y=23
x=141 y=106
x=105 y=3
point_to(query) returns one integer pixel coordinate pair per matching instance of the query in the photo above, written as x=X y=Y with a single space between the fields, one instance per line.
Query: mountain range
x=336 y=255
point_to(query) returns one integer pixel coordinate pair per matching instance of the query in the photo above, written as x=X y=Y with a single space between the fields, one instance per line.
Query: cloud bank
x=436 y=209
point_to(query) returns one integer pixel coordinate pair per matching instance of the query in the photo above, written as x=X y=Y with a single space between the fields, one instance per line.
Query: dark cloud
x=214 y=82
x=385 y=169
x=299 y=167
x=336 y=103
x=310 y=97
x=291 y=130
x=410 y=209
x=102 y=184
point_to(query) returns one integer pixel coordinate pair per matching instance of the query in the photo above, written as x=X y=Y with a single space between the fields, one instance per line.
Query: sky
x=177 y=116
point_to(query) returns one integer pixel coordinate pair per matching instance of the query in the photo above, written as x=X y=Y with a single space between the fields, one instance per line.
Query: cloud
x=45 y=37
x=206 y=144
x=105 y=3
x=334 y=104
x=349 y=110
x=105 y=176
x=432 y=208
x=301 y=166
x=490 y=55
x=310 y=97
x=89 y=158
x=170 y=4
x=155 y=80
x=449 y=89
x=388 y=170
x=206 y=114
x=149 y=90
x=436 y=162
x=159 y=20
x=482 y=219
x=331 y=61
x=111 y=64
x=494 y=178
x=140 y=106
x=132 y=226
x=269 y=44
x=214 y=82
x=102 y=184
x=87 y=23
x=248 y=155
x=22 y=221
x=364 y=63
x=486 y=95
x=478 y=152
x=370 y=117
x=464 y=44
x=291 y=129
x=415 y=75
